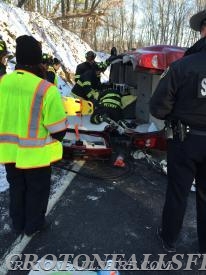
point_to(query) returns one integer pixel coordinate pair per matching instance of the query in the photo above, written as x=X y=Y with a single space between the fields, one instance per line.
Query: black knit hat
x=28 y=50
x=197 y=20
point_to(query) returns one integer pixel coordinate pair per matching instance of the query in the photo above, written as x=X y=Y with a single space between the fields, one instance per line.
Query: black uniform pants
x=29 y=193
x=186 y=161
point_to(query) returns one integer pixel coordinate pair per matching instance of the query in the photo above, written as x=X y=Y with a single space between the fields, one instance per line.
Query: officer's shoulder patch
x=164 y=73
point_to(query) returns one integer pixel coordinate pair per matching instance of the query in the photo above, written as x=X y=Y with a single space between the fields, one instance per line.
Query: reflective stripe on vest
x=37 y=108
x=34 y=120
x=26 y=142
x=54 y=128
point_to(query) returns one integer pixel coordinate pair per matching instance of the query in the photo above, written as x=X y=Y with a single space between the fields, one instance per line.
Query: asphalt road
x=111 y=211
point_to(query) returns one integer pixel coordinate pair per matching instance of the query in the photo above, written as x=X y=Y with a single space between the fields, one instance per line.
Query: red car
x=136 y=73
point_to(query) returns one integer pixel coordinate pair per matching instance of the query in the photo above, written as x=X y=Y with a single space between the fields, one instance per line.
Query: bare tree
x=165 y=22
x=21 y=3
x=107 y=23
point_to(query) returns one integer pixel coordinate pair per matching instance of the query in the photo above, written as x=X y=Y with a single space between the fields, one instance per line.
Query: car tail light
x=150 y=142
x=140 y=143
x=145 y=142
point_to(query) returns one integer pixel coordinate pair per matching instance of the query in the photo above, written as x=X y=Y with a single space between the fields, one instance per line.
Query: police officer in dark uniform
x=198 y=23
x=180 y=98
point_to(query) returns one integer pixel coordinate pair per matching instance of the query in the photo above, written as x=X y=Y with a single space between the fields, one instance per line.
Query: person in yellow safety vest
x=32 y=125
x=52 y=70
x=3 y=56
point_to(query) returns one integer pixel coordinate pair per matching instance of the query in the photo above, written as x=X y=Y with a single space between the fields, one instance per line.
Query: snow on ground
x=61 y=43
x=64 y=87
x=3 y=182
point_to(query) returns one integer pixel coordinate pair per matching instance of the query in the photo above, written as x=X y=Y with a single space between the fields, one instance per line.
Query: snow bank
x=59 y=42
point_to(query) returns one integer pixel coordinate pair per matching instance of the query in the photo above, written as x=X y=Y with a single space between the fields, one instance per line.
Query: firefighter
x=180 y=98
x=109 y=106
x=3 y=56
x=33 y=122
x=88 y=86
x=91 y=64
x=87 y=65
x=47 y=60
x=52 y=71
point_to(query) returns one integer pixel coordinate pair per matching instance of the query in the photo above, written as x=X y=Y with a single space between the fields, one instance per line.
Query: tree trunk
x=62 y=7
x=21 y=3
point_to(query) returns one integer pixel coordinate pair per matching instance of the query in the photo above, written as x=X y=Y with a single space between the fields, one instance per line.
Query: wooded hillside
x=124 y=23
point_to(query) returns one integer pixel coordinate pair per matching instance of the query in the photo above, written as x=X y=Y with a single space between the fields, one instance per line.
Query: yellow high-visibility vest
x=31 y=109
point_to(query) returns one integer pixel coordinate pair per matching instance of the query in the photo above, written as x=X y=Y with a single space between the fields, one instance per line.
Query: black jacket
x=181 y=92
x=50 y=76
x=87 y=66
x=84 y=67
x=87 y=82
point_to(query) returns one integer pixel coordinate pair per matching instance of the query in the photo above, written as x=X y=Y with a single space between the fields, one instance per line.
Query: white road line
x=19 y=244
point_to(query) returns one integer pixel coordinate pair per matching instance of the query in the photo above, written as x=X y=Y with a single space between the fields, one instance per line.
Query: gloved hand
x=93 y=94
x=104 y=118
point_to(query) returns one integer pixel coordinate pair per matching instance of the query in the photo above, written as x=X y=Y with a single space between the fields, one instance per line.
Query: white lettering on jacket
x=203 y=86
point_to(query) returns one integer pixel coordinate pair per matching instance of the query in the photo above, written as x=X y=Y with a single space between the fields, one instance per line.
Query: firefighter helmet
x=47 y=59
